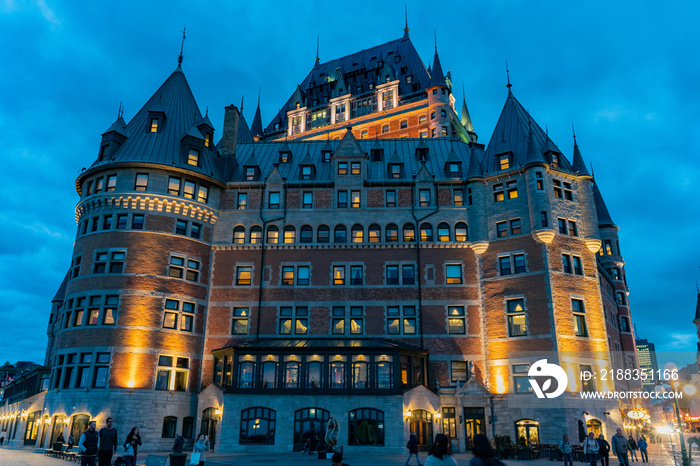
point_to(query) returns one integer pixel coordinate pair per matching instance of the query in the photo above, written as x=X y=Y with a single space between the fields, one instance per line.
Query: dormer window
x=277 y=126
x=377 y=154
x=306 y=172
x=395 y=170
x=298 y=105
x=193 y=157
x=285 y=157
x=326 y=156
x=250 y=173
x=154 y=125
x=503 y=162
x=207 y=139
x=453 y=168
x=555 y=160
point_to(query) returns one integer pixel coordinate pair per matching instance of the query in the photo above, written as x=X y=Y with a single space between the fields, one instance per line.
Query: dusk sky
x=626 y=74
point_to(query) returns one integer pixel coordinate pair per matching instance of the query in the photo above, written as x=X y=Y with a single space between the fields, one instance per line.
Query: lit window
x=498 y=194
x=457 y=197
x=355 y=168
x=178 y=314
x=401 y=321
x=453 y=274
x=364 y=134
x=203 y=194
x=294 y=321
x=242 y=201
x=351 y=323
x=357 y=234
x=141 y=183
x=193 y=157
x=374 y=233
x=579 y=312
x=244 y=275
x=409 y=233
x=287 y=276
x=512 y=189
x=342 y=168
x=111 y=182
x=207 y=139
x=459 y=372
x=255 y=235
x=422 y=119
x=174 y=186
x=355 y=199
x=290 y=234
x=339 y=275
x=189 y=189
x=461 y=232
x=426 y=232
x=517 y=326
x=503 y=162
x=172 y=373
x=154 y=125
x=239 y=325
x=456 y=320
x=540 y=181
x=239 y=235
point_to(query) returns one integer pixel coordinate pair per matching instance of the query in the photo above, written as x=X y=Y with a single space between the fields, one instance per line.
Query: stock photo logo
x=547 y=380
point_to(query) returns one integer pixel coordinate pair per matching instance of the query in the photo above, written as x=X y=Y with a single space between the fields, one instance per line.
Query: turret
x=439 y=108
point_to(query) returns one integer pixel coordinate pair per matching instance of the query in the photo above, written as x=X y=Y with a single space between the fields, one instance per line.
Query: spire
x=466 y=119
x=256 y=128
x=242 y=96
x=317 y=60
x=182 y=46
x=578 y=164
x=475 y=170
x=405 y=29
x=437 y=77
x=509 y=85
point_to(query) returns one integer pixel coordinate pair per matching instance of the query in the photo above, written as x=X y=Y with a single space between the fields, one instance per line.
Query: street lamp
x=689 y=390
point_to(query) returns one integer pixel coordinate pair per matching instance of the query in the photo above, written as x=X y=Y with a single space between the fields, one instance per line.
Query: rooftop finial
x=509 y=85
x=592 y=172
x=464 y=95
x=259 y=95
x=317 y=43
x=242 y=102
x=435 y=37
x=120 y=112
x=206 y=112
x=405 y=29
x=573 y=131
x=182 y=46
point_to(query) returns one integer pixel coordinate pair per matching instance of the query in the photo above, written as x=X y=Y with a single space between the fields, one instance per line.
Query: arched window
x=443 y=113
x=392 y=233
x=188 y=427
x=385 y=129
x=527 y=431
x=364 y=134
x=404 y=124
x=357 y=233
x=340 y=235
x=309 y=423
x=79 y=425
x=426 y=232
x=366 y=427
x=239 y=235
x=290 y=234
x=461 y=232
x=422 y=119
x=273 y=234
x=257 y=426
x=374 y=233
x=255 y=235
x=169 y=426
x=323 y=234
x=443 y=232
x=409 y=233
x=306 y=234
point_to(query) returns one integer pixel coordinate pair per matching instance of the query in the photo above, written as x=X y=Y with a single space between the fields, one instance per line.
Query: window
x=356 y=272
x=141 y=183
x=515 y=228
x=366 y=427
x=385 y=129
x=401 y=321
x=517 y=325
x=426 y=232
x=75 y=266
x=562 y=226
x=355 y=168
x=624 y=324
x=458 y=371
x=456 y=320
x=274 y=200
x=306 y=172
x=539 y=180
x=189 y=188
x=432 y=114
x=587 y=385
x=391 y=198
x=178 y=314
x=303 y=274
x=88 y=189
x=344 y=322
x=244 y=275
x=562 y=190
x=203 y=194
x=323 y=234
x=307 y=201
x=99 y=184
x=424 y=197
x=392 y=233
x=620 y=298
x=579 y=312
x=193 y=157
x=255 y=235
x=521 y=380
x=512 y=189
x=374 y=233
x=498 y=194
x=294 y=321
x=174 y=186
x=288 y=276
x=408 y=274
x=137 y=222
x=290 y=234
x=111 y=183
x=154 y=125
x=404 y=123
x=395 y=170
x=107 y=222
x=503 y=162
x=188 y=427
x=181 y=227
x=172 y=373
x=566 y=263
x=453 y=274
x=306 y=234
x=239 y=235
x=99 y=378
x=250 y=173
x=340 y=235
x=273 y=234
x=543 y=219
x=342 y=168
x=109 y=261
x=182 y=267
x=364 y=134
x=342 y=199
x=339 y=275
x=461 y=231
x=443 y=232
x=354 y=199
x=512 y=264
x=501 y=229
x=392 y=274
x=409 y=233
x=239 y=325
x=257 y=426
x=573 y=231
x=607 y=247
x=457 y=197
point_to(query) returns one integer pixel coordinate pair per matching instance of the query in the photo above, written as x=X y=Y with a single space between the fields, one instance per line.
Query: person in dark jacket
x=412 y=446
x=603 y=450
x=179 y=444
x=108 y=443
x=131 y=447
x=633 y=449
x=88 y=445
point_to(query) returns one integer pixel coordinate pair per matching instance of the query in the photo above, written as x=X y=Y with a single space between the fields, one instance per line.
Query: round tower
x=439 y=106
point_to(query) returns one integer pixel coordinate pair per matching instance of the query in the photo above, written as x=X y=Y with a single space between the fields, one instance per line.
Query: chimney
x=230 y=132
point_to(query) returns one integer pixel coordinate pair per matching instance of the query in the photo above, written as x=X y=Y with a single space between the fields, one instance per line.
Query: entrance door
x=422 y=424
x=309 y=426
x=209 y=422
x=474 y=423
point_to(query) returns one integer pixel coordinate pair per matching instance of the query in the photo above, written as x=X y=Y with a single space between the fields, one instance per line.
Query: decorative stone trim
x=154 y=204
x=593 y=244
x=543 y=235
x=480 y=247
x=440 y=245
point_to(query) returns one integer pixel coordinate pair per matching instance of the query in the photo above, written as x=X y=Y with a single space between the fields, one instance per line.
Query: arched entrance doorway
x=309 y=424
x=421 y=422
x=78 y=426
x=527 y=431
x=33 y=420
x=59 y=423
x=595 y=426
x=209 y=422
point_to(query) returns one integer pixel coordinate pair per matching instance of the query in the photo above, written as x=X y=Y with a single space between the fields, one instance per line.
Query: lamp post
x=689 y=390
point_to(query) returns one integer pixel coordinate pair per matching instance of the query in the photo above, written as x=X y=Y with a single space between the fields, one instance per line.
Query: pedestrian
x=565 y=449
x=620 y=447
x=642 y=445
x=439 y=453
x=633 y=449
x=483 y=453
x=3 y=434
x=131 y=447
x=200 y=446
x=71 y=442
x=337 y=459
x=108 y=443
x=412 y=446
x=179 y=444
x=603 y=450
x=60 y=438
x=313 y=439
x=87 y=446
x=590 y=449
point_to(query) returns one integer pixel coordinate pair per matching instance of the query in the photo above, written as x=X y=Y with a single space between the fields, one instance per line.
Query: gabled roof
x=511 y=134
x=604 y=218
x=175 y=100
x=359 y=69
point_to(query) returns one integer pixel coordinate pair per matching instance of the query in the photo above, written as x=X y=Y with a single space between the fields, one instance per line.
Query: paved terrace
x=658 y=456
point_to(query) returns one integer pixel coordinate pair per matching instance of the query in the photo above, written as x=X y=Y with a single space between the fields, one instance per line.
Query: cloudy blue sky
x=625 y=73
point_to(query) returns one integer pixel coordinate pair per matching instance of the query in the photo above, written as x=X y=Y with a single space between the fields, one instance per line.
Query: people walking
x=179 y=444
x=642 y=445
x=71 y=442
x=484 y=455
x=590 y=449
x=633 y=449
x=565 y=449
x=200 y=446
x=108 y=443
x=412 y=446
x=88 y=445
x=439 y=453
x=3 y=434
x=131 y=447
x=620 y=447
x=603 y=450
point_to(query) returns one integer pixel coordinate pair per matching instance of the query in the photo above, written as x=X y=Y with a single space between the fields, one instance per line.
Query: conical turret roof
x=465 y=119
x=475 y=171
x=437 y=77
x=697 y=309
x=604 y=218
x=578 y=165
x=257 y=129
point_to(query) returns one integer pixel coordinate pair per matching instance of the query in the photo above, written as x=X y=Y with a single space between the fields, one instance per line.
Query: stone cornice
x=146 y=203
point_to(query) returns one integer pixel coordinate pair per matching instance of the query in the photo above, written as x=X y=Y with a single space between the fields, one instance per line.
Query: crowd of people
x=599 y=450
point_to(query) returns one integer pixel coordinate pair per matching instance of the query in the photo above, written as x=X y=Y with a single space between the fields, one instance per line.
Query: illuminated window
x=347 y=322
x=239 y=325
x=364 y=134
x=255 y=235
x=498 y=194
x=512 y=189
x=207 y=139
x=141 y=183
x=426 y=232
x=178 y=315
x=458 y=371
x=461 y=232
x=457 y=197
x=409 y=233
x=203 y=194
x=357 y=234
x=453 y=274
x=342 y=168
x=540 y=181
x=517 y=326
x=287 y=276
x=401 y=321
x=174 y=186
x=503 y=162
x=183 y=267
x=172 y=373
x=456 y=320
x=443 y=231
x=294 y=321
x=579 y=312
x=355 y=168
x=374 y=233
x=244 y=275
x=290 y=234
x=193 y=157
x=563 y=190
x=422 y=119
x=339 y=275
x=355 y=199
x=242 y=201
x=154 y=125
